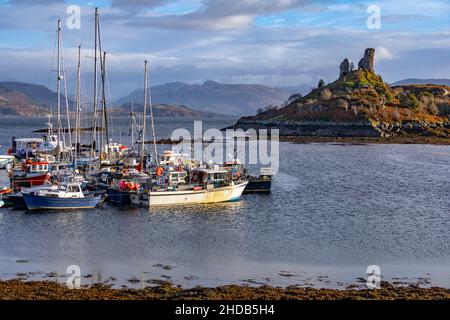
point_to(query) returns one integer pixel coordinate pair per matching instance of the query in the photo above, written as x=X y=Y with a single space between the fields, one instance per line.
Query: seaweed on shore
x=45 y=290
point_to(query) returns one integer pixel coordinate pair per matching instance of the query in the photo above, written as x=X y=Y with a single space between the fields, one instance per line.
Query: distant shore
x=407 y=139
x=46 y=290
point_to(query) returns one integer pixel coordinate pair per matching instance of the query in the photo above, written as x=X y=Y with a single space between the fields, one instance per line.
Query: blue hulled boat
x=63 y=197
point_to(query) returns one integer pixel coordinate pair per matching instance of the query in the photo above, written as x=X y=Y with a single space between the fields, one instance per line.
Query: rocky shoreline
x=355 y=130
x=407 y=139
x=45 y=290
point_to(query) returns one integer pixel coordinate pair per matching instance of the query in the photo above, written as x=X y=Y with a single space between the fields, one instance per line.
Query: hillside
x=211 y=96
x=360 y=103
x=16 y=103
x=40 y=95
x=165 y=110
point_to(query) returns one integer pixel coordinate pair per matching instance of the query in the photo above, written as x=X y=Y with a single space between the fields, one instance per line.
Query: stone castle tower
x=367 y=63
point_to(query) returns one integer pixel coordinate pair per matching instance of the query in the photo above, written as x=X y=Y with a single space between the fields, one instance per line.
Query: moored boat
x=206 y=186
x=65 y=196
x=260 y=184
x=29 y=175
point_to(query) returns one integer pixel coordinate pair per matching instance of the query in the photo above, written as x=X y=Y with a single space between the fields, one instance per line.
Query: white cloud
x=383 y=53
x=216 y=42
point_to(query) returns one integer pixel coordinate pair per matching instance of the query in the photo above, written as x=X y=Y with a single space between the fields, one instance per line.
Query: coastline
x=17 y=289
x=408 y=139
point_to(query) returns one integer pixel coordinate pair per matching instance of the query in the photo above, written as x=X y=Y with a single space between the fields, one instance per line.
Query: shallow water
x=334 y=210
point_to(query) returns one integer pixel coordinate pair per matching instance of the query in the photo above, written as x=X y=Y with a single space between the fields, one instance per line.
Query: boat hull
x=29 y=181
x=258 y=186
x=120 y=198
x=35 y=202
x=163 y=198
x=16 y=201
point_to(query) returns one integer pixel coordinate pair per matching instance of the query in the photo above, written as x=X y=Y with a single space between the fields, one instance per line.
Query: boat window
x=73 y=188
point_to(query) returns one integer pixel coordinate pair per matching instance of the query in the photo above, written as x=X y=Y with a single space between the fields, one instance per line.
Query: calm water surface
x=334 y=210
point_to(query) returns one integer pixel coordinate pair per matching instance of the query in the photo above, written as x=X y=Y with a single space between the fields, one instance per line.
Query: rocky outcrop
x=344 y=68
x=360 y=104
x=312 y=128
x=368 y=61
x=363 y=128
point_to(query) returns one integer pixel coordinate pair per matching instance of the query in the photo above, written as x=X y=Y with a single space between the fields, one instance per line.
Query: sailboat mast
x=144 y=115
x=104 y=97
x=132 y=123
x=94 y=129
x=78 y=111
x=153 y=125
x=58 y=83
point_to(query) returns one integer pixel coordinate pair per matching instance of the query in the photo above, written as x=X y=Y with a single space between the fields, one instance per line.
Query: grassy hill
x=360 y=103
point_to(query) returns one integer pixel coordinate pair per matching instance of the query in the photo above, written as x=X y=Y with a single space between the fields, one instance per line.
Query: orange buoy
x=130 y=185
x=159 y=171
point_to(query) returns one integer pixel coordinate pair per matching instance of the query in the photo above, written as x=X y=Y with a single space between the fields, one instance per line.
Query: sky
x=282 y=43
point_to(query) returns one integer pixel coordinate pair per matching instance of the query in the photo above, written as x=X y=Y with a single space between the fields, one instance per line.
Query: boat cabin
x=175 y=178
x=51 y=138
x=218 y=178
x=171 y=158
x=114 y=148
x=36 y=167
x=26 y=147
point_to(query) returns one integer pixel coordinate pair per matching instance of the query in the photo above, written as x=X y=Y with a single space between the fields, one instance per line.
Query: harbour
x=219 y=150
x=330 y=212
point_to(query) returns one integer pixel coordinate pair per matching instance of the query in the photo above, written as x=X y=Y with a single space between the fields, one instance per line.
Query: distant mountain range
x=412 y=81
x=211 y=96
x=177 y=98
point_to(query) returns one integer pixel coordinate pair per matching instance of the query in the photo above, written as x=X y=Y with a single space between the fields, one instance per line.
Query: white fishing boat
x=206 y=186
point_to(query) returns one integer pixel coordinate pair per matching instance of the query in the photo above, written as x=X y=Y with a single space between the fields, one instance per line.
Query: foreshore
x=46 y=290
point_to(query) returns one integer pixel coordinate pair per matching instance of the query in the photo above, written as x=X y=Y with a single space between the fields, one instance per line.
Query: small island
x=360 y=107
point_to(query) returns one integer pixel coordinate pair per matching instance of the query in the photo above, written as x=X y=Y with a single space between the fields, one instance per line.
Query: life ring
x=159 y=171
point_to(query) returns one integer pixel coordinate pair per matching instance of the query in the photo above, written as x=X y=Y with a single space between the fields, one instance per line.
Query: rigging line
x=66 y=96
x=108 y=87
x=152 y=122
